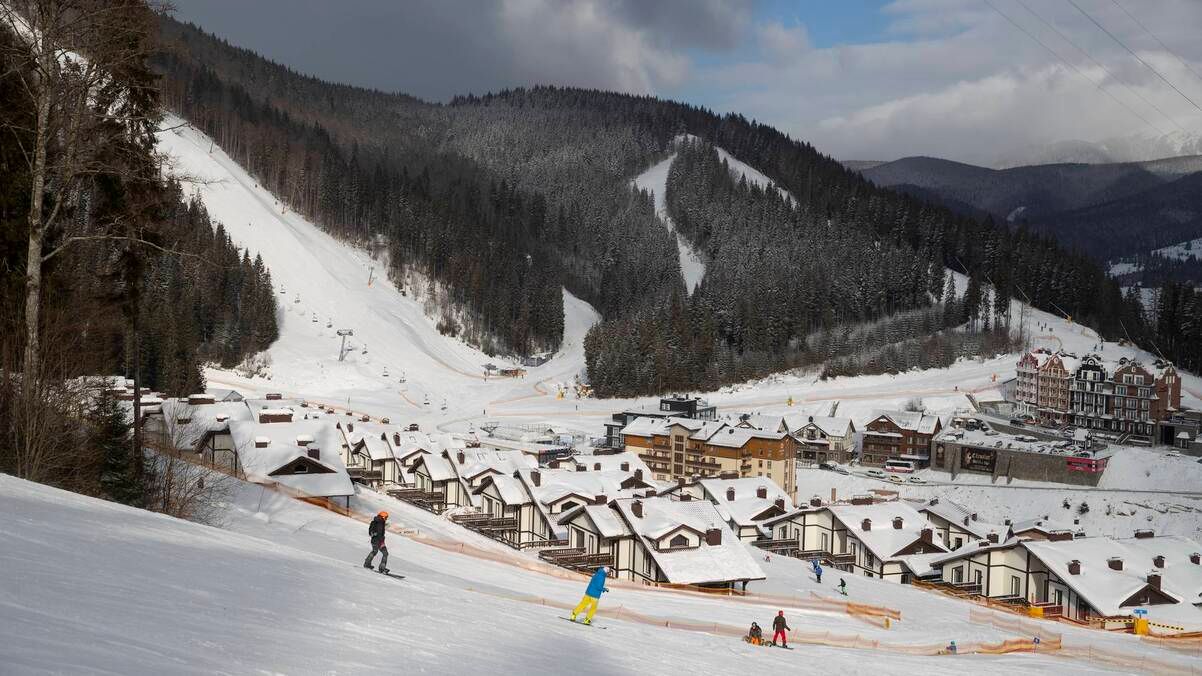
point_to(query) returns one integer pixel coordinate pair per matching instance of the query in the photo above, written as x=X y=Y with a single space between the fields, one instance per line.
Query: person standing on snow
x=376 y=532
x=817 y=570
x=779 y=627
x=596 y=587
x=843 y=586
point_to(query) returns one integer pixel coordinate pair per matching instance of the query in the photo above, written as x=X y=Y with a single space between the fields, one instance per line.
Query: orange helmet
x=383 y=515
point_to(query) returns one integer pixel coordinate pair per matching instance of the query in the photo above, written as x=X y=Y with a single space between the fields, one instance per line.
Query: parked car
x=840 y=469
x=875 y=473
x=1018 y=422
x=413 y=427
x=893 y=478
x=917 y=480
x=829 y=466
x=1173 y=454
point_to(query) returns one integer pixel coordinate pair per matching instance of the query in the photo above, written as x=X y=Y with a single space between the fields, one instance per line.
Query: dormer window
x=679 y=541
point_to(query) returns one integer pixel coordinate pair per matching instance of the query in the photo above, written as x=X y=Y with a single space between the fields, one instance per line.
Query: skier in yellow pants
x=596 y=587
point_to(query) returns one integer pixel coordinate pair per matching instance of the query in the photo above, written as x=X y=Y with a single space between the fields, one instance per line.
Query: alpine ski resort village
x=600 y=337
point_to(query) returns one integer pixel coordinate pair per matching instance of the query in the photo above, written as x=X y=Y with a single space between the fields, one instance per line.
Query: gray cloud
x=950 y=77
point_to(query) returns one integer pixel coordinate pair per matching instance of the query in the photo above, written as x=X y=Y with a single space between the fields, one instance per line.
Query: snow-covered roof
x=737 y=437
x=768 y=423
x=974 y=548
x=913 y=421
x=282 y=448
x=202 y=419
x=1042 y=525
x=747 y=505
x=556 y=484
x=609 y=462
x=704 y=564
x=1179 y=575
x=604 y=518
x=882 y=539
x=508 y=487
x=963 y=517
x=831 y=426
x=1100 y=585
x=437 y=467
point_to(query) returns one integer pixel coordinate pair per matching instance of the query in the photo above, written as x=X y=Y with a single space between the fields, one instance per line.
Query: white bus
x=904 y=466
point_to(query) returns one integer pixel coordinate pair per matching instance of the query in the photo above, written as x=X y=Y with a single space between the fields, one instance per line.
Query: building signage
x=977 y=459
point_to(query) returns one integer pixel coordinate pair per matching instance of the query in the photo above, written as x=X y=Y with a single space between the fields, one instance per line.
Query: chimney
x=992 y=537
x=685 y=497
x=350 y=427
x=1154 y=580
x=713 y=537
x=1007 y=522
x=815 y=501
x=832 y=494
x=460 y=457
x=680 y=481
x=364 y=418
x=780 y=504
x=1060 y=535
x=1158 y=561
x=636 y=508
x=600 y=500
x=536 y=478
x=596 y=467
x=897 y=523
x=1074 y=567
x=274 y=396
x=303 y=440
x=934 y=501
x=314 y=452
x=866 y=525
x=1115 y=563
x=1144 y=533
x=966 y=519
x=730 y=495
x=396 y=438
x=581 y=468
x=262 y=442
x=974 y=516
x=761 y=492
x=625 y=466
x=222 y=417
x=1195 y=558
x=927 y=535
x=638 y=475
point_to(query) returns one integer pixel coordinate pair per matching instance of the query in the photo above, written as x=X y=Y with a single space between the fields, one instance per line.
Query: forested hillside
x=555 y=165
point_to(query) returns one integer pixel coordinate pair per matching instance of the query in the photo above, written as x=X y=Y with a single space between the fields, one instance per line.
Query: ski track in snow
x=655 y=181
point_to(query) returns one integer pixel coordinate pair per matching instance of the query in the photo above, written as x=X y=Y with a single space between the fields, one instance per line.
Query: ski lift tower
x=342 y=350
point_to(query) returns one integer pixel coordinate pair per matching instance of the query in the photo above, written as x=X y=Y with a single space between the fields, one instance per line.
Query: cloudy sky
x=860 y=79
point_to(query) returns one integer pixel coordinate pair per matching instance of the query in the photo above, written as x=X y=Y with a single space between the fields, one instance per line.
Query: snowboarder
x=843 y=586
x=376 y=532
x=779 y=627
x=755 y=635
x=817 y=570
x=951 y=647
x=596 y=587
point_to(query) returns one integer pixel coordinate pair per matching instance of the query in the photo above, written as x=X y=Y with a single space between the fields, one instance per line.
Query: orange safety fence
x=824 y=638
x=1133 y=660
x=1012 y=624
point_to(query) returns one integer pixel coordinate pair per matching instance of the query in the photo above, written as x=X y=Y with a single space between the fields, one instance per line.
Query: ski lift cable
x=1075 y=69
x=1099 y=64
x=1158 y=40
x=1137 y=56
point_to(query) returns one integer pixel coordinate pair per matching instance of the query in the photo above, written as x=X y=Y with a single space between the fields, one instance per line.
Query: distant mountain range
x=1137 y=147
x=1109 y=210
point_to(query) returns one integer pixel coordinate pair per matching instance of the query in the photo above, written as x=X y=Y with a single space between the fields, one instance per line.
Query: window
x=959 y=542
x=958 y=574
x=1016 y=585
x=567 y=506
x=823 y=539
x=679 y=541
x=869 y=559
x=977 y=577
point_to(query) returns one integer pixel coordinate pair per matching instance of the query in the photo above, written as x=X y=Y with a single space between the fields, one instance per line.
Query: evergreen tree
x=121 y=469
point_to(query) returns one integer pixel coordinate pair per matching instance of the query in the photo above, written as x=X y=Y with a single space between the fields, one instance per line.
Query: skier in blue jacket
x=596 y=587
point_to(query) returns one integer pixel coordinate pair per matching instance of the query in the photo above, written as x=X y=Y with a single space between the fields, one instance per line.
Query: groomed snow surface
x=94 y=587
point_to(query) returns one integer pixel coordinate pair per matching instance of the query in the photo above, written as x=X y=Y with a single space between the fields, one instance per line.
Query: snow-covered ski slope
x=322 y=286
x=94 y=587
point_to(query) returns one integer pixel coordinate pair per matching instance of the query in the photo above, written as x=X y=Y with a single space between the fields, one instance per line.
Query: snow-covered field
x=93 y=587
x=1182 y=251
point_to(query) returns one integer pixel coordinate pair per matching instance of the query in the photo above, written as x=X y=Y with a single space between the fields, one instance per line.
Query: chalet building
x=603 y=462
x=1043 y=528
x=899 y=435
x=204 y=428
x=745 y=504
x=537 y=497
x=1083 y=578
x=658 y=540
x=371 y=447
x=825 y=439
x=956 y=526
x=694 y=408
x=303 y=456
x=887 y=540
x=1122 y=397
x=684 y=448
x=769 y=423
x=472 y=466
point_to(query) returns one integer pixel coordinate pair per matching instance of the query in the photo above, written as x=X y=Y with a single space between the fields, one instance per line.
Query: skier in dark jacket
x=376 y=532
x=779 y=627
